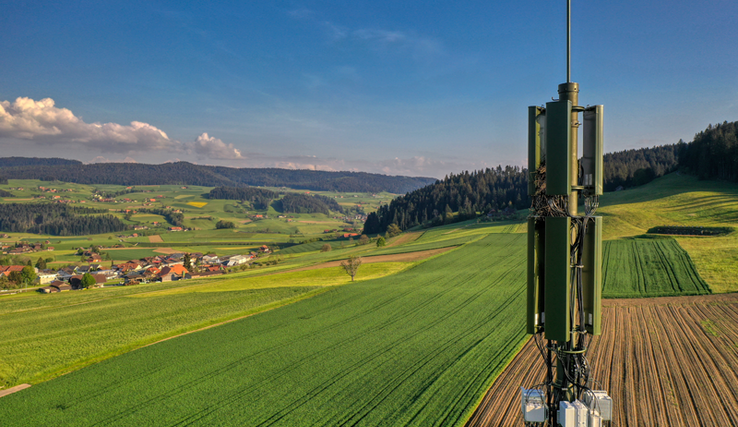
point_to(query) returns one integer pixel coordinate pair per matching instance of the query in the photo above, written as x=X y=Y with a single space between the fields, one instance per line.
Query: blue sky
x=412 y=88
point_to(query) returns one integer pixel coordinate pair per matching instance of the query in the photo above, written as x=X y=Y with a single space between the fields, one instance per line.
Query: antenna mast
x=568 y=41
x=565 y=256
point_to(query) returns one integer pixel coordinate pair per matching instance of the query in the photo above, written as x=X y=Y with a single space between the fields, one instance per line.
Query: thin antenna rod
x=568 y=41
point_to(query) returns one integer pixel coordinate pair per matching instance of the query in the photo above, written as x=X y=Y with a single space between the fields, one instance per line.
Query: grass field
x=415 y=348
x=684 y=201
x=635 y=268
x=114 y=320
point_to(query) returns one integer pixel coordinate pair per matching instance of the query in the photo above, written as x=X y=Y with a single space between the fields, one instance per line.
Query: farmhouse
x=46 y=276
x=174 y=272
x=237 y=260
x=7 y=269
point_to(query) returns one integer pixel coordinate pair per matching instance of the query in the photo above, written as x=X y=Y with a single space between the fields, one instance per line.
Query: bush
x=224 y=224
x=393 y=230
x=381 y=242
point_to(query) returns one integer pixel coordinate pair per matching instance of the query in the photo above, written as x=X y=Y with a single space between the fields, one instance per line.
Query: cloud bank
x=45 y=125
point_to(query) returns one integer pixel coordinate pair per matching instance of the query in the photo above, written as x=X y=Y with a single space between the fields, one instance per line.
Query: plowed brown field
x=665 y=362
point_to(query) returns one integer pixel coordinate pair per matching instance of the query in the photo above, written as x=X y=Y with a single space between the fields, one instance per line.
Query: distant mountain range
x=184 y=173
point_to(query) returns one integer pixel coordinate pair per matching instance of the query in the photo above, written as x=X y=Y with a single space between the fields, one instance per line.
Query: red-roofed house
x=172 y=272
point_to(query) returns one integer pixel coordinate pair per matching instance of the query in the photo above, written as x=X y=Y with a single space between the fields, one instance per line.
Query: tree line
x=303 y=203
x=630 y=168
x=713 y=154
x=259 y=198
x=174 y=218
x=466 y=193
x=56 y=219
x=184 y=173
x=35 y=161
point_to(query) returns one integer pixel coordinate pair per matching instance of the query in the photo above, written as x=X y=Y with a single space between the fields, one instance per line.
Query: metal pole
x=568 y=41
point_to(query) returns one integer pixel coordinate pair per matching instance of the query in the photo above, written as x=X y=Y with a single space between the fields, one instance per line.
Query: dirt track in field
x=665 y=362
x=406 y=237
x=165 y=251
x=406 y=257
x=156 y=239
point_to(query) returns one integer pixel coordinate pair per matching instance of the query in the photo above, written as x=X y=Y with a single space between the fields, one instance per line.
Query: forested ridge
x=631 y=168
x=56 y=219
x=466 y=193
x=303 y=203
x=713 y=154
x=184 y=173
x=260 y=198
x=35 y=161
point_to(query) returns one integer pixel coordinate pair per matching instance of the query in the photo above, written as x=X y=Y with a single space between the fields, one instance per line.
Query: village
x=160 y=268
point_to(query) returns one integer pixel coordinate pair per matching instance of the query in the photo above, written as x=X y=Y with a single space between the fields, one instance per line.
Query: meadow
x=415 y=348
x=681 y=200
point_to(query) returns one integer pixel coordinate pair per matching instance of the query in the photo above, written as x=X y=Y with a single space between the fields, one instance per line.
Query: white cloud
x=45 y=124
x=101 y=159
x=418 y=46
x=213 y=148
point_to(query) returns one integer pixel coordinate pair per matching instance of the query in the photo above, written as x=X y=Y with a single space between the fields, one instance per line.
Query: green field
x=88 y=326
x=416 y=348
x=682 y=200
x=636 y=268
x=407 y=344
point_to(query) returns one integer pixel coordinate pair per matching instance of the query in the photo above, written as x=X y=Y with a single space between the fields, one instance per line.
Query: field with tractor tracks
x=666 y=362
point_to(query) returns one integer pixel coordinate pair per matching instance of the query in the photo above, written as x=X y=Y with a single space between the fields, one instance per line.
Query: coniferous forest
x=56 y=219
x=466 y=193
x=302 y=203
x=258 y=197
x=713 y=154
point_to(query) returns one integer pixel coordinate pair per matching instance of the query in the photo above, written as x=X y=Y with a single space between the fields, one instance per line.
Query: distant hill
x=6 y=162
x=184 y=173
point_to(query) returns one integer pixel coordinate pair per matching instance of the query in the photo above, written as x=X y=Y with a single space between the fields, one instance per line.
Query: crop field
x=416 y=348
x=43 y=343
x=121 y=318
x=681 y=200
x=666 y=362
x=313 y=246
x=649 y=267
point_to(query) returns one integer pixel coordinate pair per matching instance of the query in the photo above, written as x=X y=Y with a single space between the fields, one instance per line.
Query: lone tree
x=381 y=242
x=326 y=248
x=88 y=281
x=351 y=265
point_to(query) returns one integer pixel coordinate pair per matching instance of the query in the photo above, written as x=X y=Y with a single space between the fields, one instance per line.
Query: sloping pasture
x=416 y=348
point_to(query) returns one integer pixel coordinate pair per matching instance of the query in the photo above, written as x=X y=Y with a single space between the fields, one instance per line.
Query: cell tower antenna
x=565 y=256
